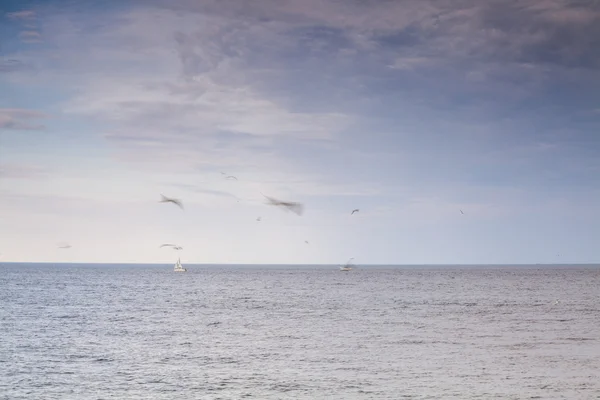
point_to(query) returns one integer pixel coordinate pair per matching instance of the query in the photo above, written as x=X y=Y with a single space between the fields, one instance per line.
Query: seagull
x=64 y=246
x=166 y=199
x=461 y=211
x=355 y=210
x=297 y=208
x=306 y=241
x=174 y=246
x=258 y=219
x=231 y=177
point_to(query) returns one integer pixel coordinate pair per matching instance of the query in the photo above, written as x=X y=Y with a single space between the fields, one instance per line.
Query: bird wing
x=272 y=200
x=165 y=199
x=176 y=201
x=296 y=207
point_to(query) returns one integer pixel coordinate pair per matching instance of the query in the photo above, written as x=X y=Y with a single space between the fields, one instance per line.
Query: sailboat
x=348 y=266
x=179 y=267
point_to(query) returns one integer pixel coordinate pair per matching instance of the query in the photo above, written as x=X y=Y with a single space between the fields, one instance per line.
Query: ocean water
x=144 y=332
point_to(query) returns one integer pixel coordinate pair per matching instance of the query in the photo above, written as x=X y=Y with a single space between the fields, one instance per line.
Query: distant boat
x=179 y=267
x=348 y=266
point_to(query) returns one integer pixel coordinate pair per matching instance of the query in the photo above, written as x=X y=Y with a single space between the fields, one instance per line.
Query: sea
x=299 y=332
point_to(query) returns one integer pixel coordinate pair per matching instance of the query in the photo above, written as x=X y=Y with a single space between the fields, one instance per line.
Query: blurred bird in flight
x=166 y=199
x=295 y=207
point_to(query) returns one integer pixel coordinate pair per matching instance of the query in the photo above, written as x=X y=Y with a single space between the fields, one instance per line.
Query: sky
x=409 y=111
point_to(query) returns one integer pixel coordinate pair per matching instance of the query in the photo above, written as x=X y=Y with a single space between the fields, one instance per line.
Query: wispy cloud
x=20 y=119
x=410 y=63
x=30 y=36
x=22 y=171
x=22 y=15
x=232 y=85
x=12 y=65
x=27 y=19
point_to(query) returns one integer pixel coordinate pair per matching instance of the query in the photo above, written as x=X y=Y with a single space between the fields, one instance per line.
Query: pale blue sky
x=408 y=110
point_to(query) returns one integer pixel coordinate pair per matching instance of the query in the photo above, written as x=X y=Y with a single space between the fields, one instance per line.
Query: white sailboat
x=179 y=267
x=348 y=266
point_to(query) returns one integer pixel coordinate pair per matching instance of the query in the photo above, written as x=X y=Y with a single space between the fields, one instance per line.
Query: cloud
x=12 y=65
x=22 y=15
x=28 y=19
x=202 y=109
x=19 y=119
x=446 y=29
x=220 y=108
x=268 y=88
x=30 y=36
x=22 y=171
x=411 y=63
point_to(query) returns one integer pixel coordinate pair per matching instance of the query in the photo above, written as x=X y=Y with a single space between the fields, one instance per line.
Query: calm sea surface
x=144 y=332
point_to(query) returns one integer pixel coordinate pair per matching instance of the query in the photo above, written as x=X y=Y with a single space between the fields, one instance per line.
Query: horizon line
x=312 y=264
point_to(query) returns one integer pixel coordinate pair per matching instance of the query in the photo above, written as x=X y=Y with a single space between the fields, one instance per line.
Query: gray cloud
x=507 y=31
x=286 y=72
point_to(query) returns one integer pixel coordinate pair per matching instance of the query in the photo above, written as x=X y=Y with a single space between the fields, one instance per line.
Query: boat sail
x=348 y=266
x=179 y=267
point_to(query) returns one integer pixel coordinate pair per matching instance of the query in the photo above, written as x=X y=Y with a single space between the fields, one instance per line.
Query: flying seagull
x=461 y=211
x=306 y=241
x=231 y=177
x=64 y=246
x=166 y=199
x=174 y=246
x=295 y=207
x=355 y=210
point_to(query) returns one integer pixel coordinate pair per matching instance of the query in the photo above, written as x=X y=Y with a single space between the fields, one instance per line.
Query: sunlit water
x=135 y=332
